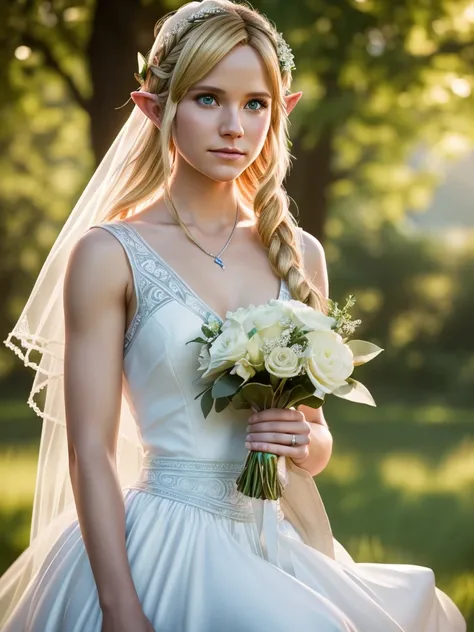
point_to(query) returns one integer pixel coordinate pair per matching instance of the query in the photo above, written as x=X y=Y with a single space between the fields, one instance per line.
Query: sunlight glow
x=22 y=52
x=412 y=475
x=469 y=13
x=461 y=87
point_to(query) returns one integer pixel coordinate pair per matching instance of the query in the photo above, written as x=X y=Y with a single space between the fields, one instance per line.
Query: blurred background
x=383 y=174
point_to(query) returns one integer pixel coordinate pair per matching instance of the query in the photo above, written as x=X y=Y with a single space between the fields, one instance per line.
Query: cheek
x=189 y=128
x=257 y=129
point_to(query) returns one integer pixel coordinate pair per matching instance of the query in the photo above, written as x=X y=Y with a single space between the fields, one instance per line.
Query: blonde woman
x=136 y=525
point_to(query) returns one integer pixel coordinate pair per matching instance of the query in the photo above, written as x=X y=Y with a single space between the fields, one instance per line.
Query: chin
x=222 y=174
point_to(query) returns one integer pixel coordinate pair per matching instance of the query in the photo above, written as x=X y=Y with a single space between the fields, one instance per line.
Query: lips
x=228 y=151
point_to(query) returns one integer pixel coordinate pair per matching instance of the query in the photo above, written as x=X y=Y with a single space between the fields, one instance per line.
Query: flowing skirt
x=198 y=571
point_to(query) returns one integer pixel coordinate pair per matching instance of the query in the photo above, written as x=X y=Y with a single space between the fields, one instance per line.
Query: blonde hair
x=183 y=59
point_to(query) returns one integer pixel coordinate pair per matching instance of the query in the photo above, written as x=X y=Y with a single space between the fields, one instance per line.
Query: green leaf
x=260 y=395
x=208 y=388
x=201 y=340
x=222 y=403
x=226 y=385
x=311 y=401
x=295 y=394
x=207 y=332
x=207 y=403
x=356 y=392
x=239 y=402
x=363 y=351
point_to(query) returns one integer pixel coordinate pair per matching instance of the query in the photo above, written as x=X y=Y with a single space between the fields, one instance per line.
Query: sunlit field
x=399 y=487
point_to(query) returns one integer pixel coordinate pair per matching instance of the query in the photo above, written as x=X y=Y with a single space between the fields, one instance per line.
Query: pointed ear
x=148 y=104
x=291 y=100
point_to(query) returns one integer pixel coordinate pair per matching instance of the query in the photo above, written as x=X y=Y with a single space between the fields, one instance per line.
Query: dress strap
x=155 y=283
x=124 y=236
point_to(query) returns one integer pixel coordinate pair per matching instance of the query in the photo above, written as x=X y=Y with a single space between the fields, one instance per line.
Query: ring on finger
x=293 y=440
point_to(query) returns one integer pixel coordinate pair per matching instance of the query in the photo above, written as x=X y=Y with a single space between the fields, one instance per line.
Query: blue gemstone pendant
x=219 y=262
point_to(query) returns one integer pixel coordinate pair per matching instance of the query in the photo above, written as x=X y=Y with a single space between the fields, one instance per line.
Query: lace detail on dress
x=206 y=484
x=155 y=283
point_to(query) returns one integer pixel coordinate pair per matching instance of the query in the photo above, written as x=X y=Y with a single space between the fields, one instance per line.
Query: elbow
x=87 y=453
x=320 y=450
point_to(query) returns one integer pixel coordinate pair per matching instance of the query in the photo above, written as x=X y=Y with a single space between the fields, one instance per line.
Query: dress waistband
x=204 y=483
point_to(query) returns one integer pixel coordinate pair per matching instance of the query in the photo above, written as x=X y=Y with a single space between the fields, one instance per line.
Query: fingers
x=279 y=414
x=291 y=427
x=298 y=452
x=272 y=430
x=276 y=438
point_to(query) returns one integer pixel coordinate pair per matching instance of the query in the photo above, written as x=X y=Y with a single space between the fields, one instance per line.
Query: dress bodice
x=160 y=370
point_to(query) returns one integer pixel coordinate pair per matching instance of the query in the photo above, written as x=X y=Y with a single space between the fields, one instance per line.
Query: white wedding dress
x=203 y=557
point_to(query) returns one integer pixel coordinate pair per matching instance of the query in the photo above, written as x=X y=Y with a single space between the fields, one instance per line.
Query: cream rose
x=255 y=351
x=329 y=362
x=243 y=369
x=226 y=350
x=282 y=362
x=240 y=316
x=310 y=318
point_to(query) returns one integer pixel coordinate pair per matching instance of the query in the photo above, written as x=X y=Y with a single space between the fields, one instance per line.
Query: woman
x=160 y=540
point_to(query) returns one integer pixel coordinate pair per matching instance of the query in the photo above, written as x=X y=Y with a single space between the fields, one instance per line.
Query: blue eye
x=263 y=104
x=205 y=96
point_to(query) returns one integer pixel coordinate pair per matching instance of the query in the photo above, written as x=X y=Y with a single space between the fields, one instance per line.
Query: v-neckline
x=157 y=256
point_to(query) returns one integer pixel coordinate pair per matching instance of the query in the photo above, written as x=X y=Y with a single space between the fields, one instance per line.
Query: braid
x=279 y=232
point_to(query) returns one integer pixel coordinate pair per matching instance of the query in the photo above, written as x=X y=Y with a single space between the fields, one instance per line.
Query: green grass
x=399 y=487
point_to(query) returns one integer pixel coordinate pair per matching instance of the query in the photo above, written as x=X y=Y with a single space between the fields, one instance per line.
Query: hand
x=271 y=431
x=132 y=619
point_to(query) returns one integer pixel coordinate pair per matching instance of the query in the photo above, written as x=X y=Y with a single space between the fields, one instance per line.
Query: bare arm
x=320 y=447
x=94 y=307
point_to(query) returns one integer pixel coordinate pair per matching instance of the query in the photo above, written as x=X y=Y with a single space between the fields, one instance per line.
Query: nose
x=231 y=125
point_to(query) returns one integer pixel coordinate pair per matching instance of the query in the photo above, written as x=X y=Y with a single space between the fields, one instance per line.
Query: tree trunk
x=119 y=31
x=309 y=182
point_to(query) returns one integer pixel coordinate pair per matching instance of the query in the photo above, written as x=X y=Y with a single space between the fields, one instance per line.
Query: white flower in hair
x=284 y=52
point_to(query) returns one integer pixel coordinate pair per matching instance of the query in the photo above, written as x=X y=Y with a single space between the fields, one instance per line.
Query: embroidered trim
x=206 y=484
x=156 y=283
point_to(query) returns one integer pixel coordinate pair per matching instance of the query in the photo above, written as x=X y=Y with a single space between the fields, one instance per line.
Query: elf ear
x=291 y=100
x=148 y=104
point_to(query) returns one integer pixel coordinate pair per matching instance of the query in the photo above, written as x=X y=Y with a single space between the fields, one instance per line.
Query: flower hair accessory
x=284 y=52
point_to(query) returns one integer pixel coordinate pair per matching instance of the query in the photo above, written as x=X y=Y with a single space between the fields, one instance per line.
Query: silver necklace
x=217 y=258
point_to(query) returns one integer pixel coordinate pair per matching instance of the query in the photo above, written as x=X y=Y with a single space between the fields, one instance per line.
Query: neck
x=201 y=201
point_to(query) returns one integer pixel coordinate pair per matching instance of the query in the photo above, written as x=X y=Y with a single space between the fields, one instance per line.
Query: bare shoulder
x=97 y=268
x=315 y=261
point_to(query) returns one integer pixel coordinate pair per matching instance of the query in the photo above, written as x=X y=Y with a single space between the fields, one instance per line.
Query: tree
x=380 y=78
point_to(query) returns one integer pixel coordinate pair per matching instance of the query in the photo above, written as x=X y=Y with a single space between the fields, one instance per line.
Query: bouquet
x=279 y=355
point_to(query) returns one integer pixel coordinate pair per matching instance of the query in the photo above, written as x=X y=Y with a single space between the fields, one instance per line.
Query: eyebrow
x=220 y=91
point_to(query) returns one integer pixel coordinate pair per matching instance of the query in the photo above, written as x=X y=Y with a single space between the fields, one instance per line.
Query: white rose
x=226 y=350
x=255 y=351
x=244 y=369
x=204 y=358
x=262 y=318
x=312 y=319
x=239 y=317
x=329 y=362
x=282 y=362
x=266 y=319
